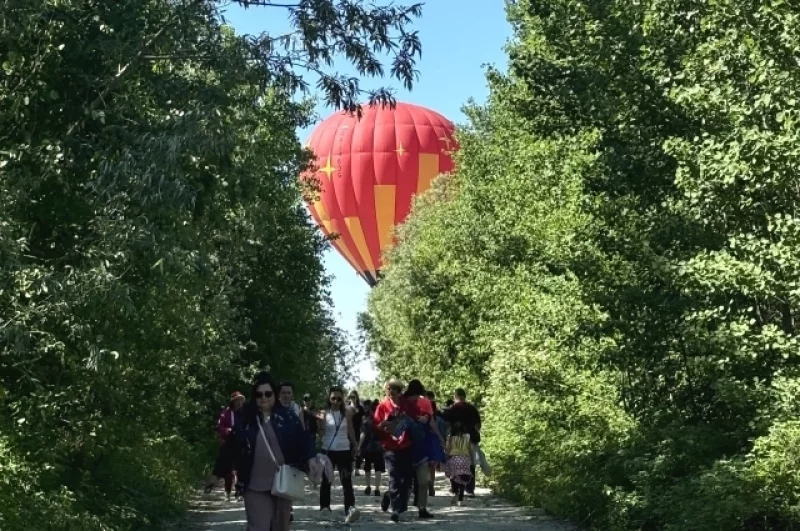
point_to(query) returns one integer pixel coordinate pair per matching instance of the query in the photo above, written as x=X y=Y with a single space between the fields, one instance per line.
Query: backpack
x=413 y=429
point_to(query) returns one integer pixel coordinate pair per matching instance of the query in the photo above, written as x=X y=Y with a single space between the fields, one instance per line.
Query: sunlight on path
x=483 y=513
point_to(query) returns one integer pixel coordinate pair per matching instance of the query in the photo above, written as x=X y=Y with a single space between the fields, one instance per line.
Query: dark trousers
x=343 y=462
x=401 y=470
x=223 y=467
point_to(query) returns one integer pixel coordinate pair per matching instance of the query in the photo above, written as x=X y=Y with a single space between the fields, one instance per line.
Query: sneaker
x=367 y=491
x=385 y=501
x=454 y=499
x=325 y=512
x=395 y=518
x=377 y=493
x=352 y=516
x=358 y=472
x=424 y=514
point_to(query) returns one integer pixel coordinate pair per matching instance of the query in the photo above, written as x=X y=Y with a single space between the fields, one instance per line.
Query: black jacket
x=466 y=417
x=292 y=439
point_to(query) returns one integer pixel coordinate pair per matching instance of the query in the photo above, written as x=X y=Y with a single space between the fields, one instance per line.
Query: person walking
x=310 y=418
x=224 y=465
x=340 y=445
x=397 y=449
x=358 y=419
x=459 y=468
x=420 y=410
x=286 y=398
x=437 y=455
x=268 y=437
x=470 y=419
x=372 y=452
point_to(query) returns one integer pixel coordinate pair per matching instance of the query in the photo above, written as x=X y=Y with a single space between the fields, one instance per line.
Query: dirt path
x=482 y=513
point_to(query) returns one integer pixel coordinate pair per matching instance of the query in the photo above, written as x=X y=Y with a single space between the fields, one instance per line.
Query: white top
x=296 y=409
x=335 y=440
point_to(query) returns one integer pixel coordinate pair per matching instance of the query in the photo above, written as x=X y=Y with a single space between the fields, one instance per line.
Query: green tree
x=615 y=257
x=155 y=250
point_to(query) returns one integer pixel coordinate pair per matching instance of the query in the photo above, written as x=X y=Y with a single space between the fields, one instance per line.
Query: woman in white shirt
x=340 y=445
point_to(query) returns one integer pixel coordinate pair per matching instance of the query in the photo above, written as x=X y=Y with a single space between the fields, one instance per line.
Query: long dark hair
x=415 y=388
x=358 y=398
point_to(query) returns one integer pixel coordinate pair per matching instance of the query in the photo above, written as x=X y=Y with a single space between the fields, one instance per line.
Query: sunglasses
x=265 y=394
x=336 y=399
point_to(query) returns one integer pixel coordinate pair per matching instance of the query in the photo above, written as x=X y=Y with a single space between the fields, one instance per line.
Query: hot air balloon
x=369 y=170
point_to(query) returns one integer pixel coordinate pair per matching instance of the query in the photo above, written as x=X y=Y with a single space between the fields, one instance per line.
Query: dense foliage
x=613 y=269
x=154 y=250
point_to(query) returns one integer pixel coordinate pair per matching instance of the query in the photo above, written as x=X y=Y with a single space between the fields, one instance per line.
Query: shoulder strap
x=266 y=442
x=339 y=425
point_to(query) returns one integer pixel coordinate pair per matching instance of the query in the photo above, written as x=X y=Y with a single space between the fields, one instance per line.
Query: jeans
x=422 y=476
x=342 y=461
x=401 y=470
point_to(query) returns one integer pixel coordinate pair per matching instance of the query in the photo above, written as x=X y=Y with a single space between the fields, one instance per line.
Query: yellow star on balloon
x=328 y=169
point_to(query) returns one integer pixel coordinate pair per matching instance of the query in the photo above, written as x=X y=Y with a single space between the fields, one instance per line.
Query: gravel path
x=482 y=513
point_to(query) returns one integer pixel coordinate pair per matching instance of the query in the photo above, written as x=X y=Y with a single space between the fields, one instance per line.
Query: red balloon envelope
x=369 y=170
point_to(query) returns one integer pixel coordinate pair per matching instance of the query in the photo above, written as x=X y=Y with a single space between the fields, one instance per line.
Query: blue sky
x=458 y=38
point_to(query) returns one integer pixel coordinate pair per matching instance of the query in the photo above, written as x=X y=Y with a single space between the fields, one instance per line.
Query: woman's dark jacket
x=289 y=431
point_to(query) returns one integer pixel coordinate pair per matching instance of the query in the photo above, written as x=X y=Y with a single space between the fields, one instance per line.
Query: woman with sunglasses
x=340 y=445
x=266 y=422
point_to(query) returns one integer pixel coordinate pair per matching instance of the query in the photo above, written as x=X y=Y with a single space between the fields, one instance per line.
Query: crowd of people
x=405 y=433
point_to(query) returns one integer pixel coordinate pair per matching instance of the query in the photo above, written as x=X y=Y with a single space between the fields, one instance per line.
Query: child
x=459 y=461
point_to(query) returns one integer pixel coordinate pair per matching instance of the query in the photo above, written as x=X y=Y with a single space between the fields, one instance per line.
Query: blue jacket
x=292 y=440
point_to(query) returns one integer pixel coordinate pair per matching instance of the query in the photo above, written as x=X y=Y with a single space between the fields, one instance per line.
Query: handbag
x=479 y=458
x=288 y=483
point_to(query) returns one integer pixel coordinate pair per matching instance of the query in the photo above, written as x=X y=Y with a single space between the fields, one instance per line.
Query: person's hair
x=394 y=382
x=415 y=388
x=460 y=393
x=458 y=428
x=285 y=383
x=375 y=403
x=431 y=395
x=449 y=402
x=336 y=389
x=358 y=398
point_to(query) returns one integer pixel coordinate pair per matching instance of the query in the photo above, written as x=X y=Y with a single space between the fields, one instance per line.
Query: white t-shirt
x=335 y=440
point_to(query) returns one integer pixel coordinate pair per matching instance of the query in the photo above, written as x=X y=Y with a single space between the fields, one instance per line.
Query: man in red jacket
x=397 y=449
